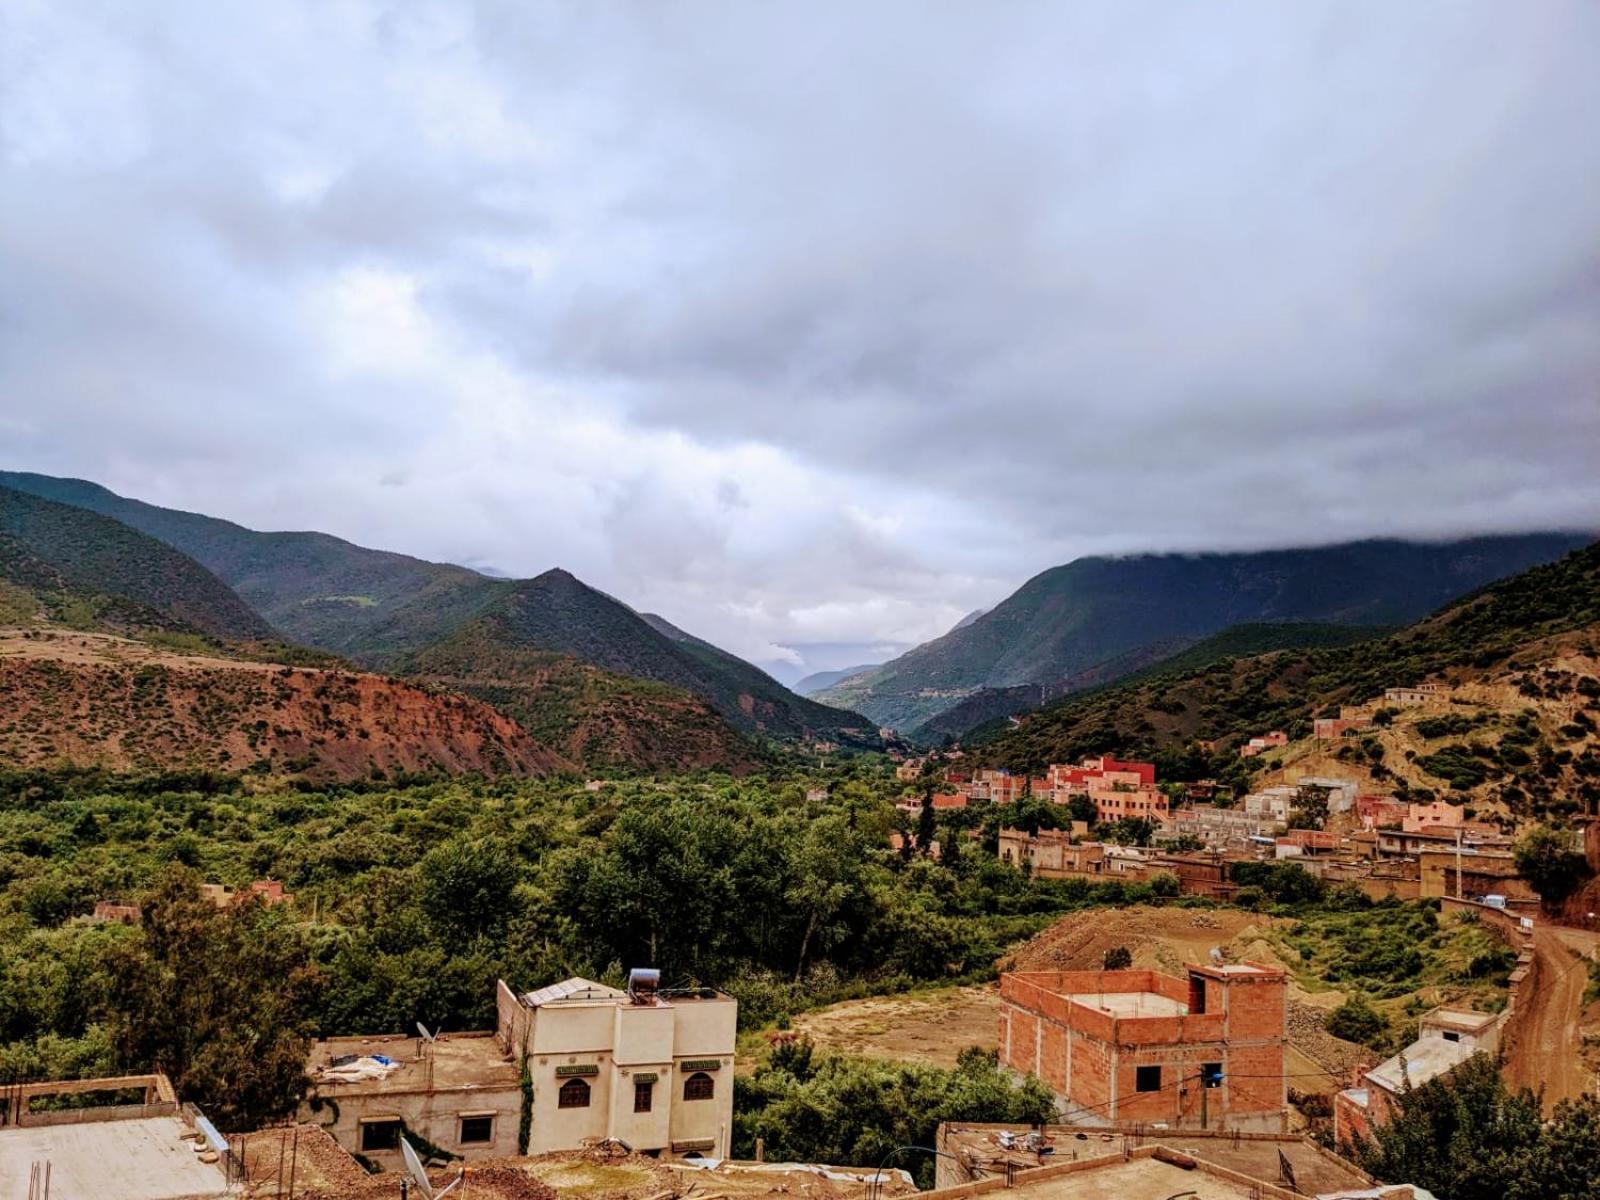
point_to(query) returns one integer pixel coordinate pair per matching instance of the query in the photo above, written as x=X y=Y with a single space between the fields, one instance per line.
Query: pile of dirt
x=1158 y=938
x=601 y=1173
x=305 y=1154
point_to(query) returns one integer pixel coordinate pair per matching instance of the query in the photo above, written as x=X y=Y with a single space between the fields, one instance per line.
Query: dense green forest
x=412 y=898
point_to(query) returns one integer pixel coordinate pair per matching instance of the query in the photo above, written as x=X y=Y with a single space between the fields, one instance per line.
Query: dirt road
x=1547 y=1051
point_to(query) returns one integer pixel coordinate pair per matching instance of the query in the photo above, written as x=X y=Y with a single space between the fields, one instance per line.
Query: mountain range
x=1516 y=663
x=592 y=684
x=396 y=613
x=1098 y=619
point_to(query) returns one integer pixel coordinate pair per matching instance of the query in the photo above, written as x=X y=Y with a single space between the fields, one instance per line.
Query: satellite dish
x=420 y=1176
x=423 y=1030
x=1216 y=955
x=414 y=1166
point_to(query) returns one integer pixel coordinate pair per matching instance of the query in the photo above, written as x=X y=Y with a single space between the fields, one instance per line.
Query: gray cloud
x=811 y=328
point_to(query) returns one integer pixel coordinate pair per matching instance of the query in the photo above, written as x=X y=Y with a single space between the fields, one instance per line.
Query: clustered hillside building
x=565 y=1066
x=1446 y=1038
x=1118 y=789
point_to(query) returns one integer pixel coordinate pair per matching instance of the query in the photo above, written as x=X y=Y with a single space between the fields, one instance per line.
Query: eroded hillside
x=98 y=700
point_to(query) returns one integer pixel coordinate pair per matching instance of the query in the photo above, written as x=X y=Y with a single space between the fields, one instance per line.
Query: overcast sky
x=809 y=326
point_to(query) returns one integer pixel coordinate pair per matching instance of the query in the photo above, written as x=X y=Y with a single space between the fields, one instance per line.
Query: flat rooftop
x=140 y=1158
x=580 y=991
x=979 y=1148
x=1130 y=1004
x=1460 y=1019
x=1138 y=1179
x=452 y=1062
x=1426 y=1058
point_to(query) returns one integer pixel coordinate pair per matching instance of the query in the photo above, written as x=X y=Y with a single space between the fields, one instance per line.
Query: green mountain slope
x=605 y=721
x=1075 y=618
x=387 y=610
x=820 y=681
x=557 y=613
x=62 y=554
x=32 y=593
x=313 y=588
x=1162 y=716
x=987 y=706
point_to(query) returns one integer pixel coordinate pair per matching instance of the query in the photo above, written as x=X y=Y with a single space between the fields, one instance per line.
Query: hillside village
x=511 y=921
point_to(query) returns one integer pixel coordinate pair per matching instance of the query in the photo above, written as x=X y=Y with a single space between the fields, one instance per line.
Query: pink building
x=1118 y=789
x=1427 y=816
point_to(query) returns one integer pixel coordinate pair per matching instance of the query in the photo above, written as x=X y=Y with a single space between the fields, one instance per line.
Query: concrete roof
x=1137 y=1179
x=1425 y=1059
x=141 y=1158
x=1130 y=1004
x=1459 y=1019
x=452 y=1062
x=1256 y=1155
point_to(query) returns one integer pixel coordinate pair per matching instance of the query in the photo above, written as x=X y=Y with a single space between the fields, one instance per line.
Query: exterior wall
x=1049 y=854
x=1090 y=1059
x=1408 y=697
x=1481 y=875
x=435 y=1115
x=1328 y=729
x=621 y=1044
x=1420 y=816
x=1113 y=804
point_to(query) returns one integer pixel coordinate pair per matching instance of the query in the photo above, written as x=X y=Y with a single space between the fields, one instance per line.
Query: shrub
x=1357 y=1021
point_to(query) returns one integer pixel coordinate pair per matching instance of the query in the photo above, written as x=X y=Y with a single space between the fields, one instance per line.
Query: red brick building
x=1132 y=1047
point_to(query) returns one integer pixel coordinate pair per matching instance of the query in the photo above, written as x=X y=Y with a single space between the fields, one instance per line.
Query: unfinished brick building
x=1140 y=1047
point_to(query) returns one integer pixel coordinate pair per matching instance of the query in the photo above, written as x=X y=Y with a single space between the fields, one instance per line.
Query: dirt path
x=1547 y=1051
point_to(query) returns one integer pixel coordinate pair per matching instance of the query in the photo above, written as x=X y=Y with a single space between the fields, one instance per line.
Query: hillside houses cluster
x=1118 y=789
x=1383 y=845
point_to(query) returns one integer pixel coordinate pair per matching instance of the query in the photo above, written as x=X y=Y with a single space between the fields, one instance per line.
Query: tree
x=221 y=1002
x=1129 y=831
x=1357 y=1021
x=855 y=1110
x=1311 y=807
x=1545 y=858
x=465 y=887
x=1463 y=1135
x=926 y=828
x=826 y=871
x=1118 y=958
x=1081 y=808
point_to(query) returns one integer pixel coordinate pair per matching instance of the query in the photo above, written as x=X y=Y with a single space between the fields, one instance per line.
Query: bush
x=1118 y=958
x=1357 y=1021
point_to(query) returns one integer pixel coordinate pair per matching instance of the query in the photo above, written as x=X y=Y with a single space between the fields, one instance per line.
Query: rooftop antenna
x=420 y=1176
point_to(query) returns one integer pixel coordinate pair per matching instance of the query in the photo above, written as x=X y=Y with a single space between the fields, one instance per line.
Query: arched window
x=574 y=1094
x=699 y=1086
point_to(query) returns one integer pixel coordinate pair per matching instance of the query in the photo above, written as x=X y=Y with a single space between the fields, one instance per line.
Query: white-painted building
x=653 y=1068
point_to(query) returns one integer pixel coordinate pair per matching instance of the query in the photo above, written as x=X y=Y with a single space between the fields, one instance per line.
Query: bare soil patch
x=930 y=1027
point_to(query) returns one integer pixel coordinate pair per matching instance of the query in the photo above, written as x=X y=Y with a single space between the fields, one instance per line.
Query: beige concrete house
x=651 y=1067
x=458 y=1092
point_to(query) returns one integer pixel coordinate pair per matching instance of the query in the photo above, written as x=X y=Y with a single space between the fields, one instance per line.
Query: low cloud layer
x=810 y=327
